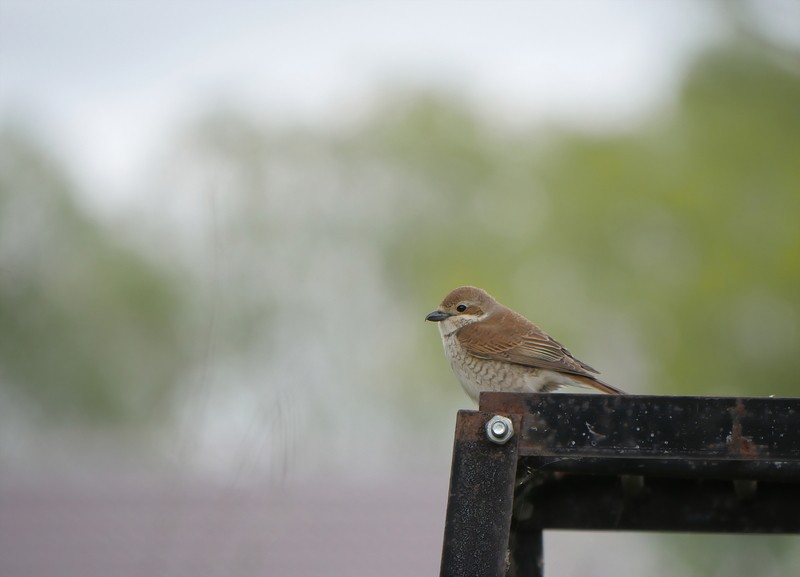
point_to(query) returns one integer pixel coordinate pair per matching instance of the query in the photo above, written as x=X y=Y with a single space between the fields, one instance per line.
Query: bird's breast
x=477 y=374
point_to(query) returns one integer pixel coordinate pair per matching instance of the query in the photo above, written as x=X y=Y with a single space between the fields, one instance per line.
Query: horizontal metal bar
x=687 y=468
x=657 y=427
x=602 y=503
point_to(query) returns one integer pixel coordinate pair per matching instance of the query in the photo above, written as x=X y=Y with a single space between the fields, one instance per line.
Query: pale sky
x=106 y=83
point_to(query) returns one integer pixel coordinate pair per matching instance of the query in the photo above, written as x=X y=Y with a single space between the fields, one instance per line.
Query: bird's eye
x=461 y=308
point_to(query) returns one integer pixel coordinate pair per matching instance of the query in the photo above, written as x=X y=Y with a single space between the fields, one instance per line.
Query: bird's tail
x=599 y=385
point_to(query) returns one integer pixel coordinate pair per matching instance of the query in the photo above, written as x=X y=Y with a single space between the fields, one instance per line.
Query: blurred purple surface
x=180 y=528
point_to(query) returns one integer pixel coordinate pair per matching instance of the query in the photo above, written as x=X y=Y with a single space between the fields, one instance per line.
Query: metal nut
x=499 y=429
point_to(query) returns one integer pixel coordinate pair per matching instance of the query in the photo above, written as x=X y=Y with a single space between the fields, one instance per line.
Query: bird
x=492 y=348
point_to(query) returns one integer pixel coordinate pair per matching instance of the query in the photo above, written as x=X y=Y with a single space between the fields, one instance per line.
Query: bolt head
x=499 y=429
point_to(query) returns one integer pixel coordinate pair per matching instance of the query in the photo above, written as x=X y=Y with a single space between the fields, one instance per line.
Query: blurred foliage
x=666 y=255
x=694 y=222
x=88 y=327
x=682 y=233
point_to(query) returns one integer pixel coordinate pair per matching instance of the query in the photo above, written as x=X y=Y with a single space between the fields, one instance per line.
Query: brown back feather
x=520 y=342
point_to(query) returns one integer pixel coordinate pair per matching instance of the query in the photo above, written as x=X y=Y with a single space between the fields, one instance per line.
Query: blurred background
x=222 y=225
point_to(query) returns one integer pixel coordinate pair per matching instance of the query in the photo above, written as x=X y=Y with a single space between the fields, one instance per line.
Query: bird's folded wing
x=530 y=347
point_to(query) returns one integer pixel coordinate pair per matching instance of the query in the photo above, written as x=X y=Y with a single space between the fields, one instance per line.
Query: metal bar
x=660 y=427
x=601 y=503
x=608 y=462
x=784 y=471
x=480 y=501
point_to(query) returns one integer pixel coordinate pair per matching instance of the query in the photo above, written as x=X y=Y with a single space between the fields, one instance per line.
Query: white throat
x=450 y=325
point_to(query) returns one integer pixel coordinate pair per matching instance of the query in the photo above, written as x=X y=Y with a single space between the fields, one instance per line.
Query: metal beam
x=615 y=462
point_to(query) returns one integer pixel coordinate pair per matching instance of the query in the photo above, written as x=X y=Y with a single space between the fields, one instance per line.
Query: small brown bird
x=492 y=348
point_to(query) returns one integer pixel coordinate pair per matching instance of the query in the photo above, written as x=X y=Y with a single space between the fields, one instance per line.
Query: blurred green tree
x=89 y=329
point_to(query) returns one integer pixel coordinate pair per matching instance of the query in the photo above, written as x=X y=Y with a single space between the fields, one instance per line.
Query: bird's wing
x=526 y=345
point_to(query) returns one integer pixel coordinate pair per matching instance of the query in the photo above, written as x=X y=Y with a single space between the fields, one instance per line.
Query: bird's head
x=463 y=306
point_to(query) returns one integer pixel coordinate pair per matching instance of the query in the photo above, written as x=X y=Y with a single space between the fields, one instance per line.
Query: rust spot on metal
x=737 y=443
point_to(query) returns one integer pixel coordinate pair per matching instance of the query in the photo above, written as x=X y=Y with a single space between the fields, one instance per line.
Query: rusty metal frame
x=608 y=462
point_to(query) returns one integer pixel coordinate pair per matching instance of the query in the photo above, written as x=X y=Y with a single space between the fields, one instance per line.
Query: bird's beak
x=437 y=316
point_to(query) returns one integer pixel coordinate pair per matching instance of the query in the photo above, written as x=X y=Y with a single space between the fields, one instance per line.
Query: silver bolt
x=499 y=429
